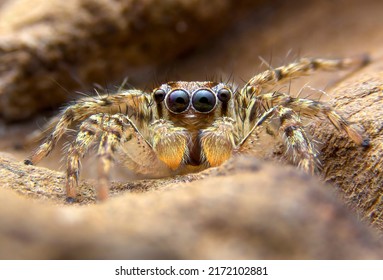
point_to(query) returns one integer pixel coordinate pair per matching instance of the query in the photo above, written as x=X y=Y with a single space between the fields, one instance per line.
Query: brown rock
x=356 y=171
x=245 y=209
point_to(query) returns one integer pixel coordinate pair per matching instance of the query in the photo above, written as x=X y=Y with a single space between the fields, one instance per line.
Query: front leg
x=310 y=108
x=298 y=143
x=120 y=139
x=133 y=103
x=113 y=131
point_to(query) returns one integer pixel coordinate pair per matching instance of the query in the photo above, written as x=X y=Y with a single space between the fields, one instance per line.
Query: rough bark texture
x=245 y=209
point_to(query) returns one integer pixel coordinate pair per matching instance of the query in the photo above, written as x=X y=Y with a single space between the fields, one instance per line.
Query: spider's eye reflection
x=159 y=95
x=224 y=95
x=204 y=100
x=178 y=101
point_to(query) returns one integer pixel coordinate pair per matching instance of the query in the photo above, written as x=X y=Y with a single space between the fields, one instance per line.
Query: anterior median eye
x=178 y=101
x=204 y=100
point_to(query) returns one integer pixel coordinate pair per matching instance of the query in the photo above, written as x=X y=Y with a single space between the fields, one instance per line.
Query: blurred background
x=49 y=50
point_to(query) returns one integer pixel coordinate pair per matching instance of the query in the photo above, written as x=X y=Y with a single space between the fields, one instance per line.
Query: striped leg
x=311 y=108
x=130 y=102
x=290 y=128
x=77 y=150
x=300 y=68
x=110 y=140
x=112 y=130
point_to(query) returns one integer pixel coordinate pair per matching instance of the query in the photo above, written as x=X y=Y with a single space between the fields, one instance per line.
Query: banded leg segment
x=112 y=131
x=290 y=128
x=77 y=150
x=132 y=102
x=311 y=108
x=300 y=68
x=299 y=145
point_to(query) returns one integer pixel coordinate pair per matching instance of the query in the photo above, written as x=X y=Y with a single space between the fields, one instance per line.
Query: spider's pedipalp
x=170 y=143
x=133 y=101
x=222 y=134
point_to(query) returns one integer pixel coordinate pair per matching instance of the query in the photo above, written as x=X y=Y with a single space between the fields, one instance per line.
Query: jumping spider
x=186 y=126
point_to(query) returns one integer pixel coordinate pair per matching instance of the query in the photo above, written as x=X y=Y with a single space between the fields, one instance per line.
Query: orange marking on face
x=172 y=151
x=216 y=152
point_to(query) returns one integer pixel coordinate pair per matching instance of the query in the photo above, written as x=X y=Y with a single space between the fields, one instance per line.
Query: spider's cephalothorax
x=195 y=109
x=187 y=126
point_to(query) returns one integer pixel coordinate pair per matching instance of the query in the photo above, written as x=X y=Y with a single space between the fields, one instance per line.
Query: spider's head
x=192 y=101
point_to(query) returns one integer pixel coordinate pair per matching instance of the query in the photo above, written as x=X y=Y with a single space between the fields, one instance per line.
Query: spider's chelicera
x=187 y=126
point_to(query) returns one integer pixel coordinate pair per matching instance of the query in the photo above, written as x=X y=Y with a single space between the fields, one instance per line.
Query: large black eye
x=178 y=101
x=204 y=100
x=224 y=95
x=159 y=95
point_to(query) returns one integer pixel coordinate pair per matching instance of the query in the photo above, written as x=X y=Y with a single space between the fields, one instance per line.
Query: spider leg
x=299 y=68
x=77 y=150
x=132 y=102
x=291 y=130
x=221 y=134
x=110 y=140
x=311 y=108
x=113 y=131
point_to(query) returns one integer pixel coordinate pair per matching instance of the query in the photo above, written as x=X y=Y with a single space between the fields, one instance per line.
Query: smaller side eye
x=224 y=95
x=159 y=95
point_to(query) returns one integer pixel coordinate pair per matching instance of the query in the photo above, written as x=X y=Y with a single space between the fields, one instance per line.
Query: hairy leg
x=290 y=128
x=245 y=100
x=77 y=150
x=113 y=131
x=311 y=108
x=299 y=68
x=111 y=138
x=132 y=102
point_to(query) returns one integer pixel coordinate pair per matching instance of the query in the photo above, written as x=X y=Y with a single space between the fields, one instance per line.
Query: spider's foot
x=28 y=162
x=365 y=143
x=364 y=59
x=70 y=200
